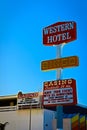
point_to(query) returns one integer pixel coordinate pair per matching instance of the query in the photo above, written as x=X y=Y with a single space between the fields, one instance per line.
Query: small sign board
x=58 y=33
x=28 y=99
x=59 y=92
x=65 y=62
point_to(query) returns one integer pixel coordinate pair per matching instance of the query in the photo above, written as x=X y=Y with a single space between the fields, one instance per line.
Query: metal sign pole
x=30 y=114
x=58 y=56
x=59 y=109
x=30 y=119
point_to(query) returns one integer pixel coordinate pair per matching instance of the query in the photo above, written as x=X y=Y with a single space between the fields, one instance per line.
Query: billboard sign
x=65 y=62
x=59 y=92
x=58 y=33
x=28 y=99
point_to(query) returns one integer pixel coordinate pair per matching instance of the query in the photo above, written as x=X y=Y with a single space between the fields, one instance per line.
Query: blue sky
x=22 y=49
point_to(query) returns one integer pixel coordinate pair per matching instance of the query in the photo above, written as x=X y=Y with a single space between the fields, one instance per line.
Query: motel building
x=26 y=112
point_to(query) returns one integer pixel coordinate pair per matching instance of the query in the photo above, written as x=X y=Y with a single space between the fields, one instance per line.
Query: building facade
x=26 y=112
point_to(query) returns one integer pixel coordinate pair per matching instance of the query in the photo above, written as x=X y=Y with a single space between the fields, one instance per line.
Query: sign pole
x=30 y=119
x=59 y=109
x=58 y=56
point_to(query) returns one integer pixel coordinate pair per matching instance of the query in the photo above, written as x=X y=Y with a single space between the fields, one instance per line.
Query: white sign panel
x=58 y=96
x=28 y=99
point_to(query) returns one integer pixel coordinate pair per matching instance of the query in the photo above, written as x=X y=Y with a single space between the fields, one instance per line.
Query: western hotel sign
x=58 y=33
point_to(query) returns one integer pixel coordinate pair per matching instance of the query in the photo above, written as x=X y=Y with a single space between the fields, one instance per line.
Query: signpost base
x=59 y=110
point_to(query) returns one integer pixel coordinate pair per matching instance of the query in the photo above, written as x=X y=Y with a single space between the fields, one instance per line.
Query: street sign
x=59 y=92
x=58 y=33
x=65 y=62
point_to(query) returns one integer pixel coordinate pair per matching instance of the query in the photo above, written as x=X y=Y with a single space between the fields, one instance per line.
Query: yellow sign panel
x=65 y=62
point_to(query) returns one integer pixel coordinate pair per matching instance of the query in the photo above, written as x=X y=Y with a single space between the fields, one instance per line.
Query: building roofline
x=80 y=105
x=8 y=97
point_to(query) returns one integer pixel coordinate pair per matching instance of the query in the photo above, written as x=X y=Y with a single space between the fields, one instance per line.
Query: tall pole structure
x=58 y=34
x=58 y=56
x=30 y=114
x=59 y=109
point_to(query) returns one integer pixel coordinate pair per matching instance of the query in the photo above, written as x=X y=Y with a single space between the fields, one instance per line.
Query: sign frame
x=62 y=63
x=28 y=99
x=59 y=85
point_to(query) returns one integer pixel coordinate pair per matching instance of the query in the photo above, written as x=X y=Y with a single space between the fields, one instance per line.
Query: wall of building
x=66 y=124
x=41 y=119
x=48 y=119
x=19 y=120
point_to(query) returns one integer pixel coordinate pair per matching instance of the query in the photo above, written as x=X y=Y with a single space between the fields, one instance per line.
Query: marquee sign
x=28 y=99
x=59 y=92
x=65 y=62
x=58 y=33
